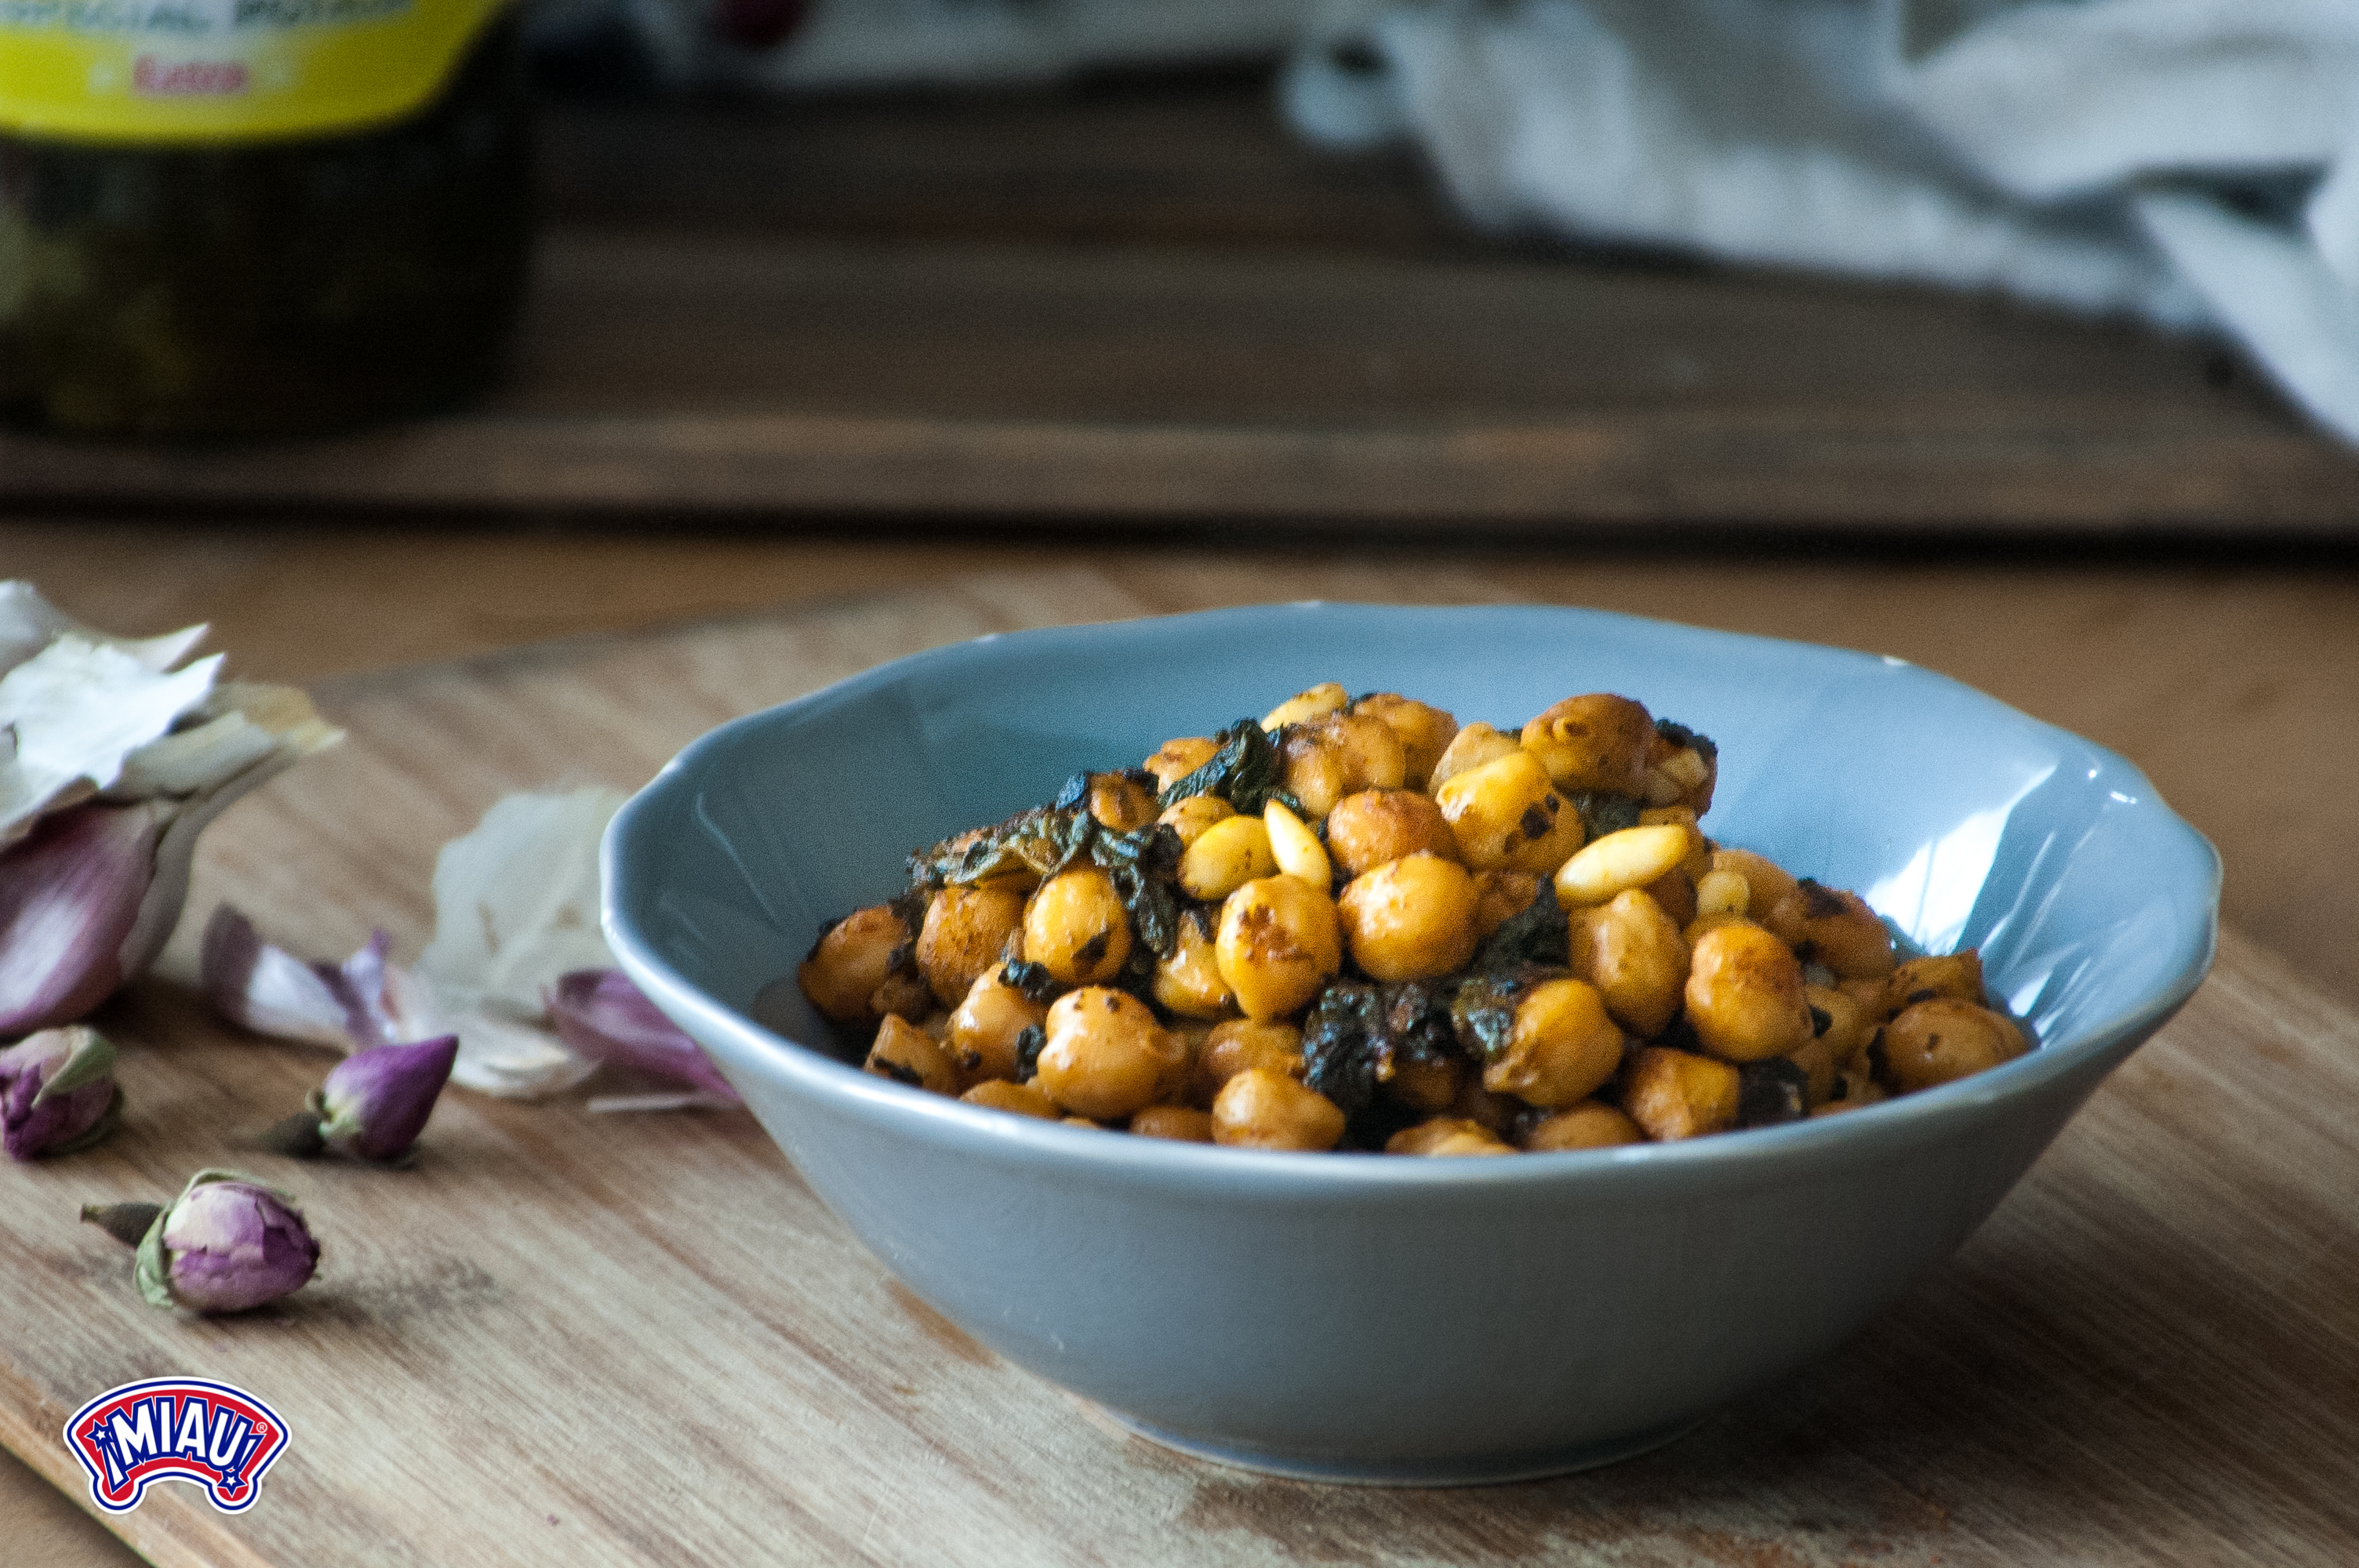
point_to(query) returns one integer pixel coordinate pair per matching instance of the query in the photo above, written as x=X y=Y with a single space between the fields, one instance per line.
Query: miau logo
x=175 y=1428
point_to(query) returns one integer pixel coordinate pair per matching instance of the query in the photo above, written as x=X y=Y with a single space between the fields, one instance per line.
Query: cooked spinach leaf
x=1602 y=813
x=1483 y=1013
x=1359 y=1033
x=1248 y=771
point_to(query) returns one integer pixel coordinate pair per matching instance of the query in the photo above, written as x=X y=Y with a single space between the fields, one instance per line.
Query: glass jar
x=202 y=243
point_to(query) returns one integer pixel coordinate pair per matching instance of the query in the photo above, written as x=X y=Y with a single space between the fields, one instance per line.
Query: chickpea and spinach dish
x=1356 y=924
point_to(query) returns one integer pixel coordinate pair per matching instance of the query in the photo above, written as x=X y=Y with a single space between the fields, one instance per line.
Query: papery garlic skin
x=57 y=1092
x=602 y=1014
x=227 y=1244
x=375 y=1102
x=71 y=897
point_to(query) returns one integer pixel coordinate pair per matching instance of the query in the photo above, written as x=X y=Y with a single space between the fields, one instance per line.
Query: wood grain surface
x=1124 y=310
x=566 y=1338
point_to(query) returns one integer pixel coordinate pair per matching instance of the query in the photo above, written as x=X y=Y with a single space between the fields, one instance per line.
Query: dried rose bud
x=375 y=1102
x=225 y=1244
x=57 y=1092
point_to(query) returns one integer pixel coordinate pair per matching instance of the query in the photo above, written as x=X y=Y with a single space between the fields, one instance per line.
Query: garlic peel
x=69 y=899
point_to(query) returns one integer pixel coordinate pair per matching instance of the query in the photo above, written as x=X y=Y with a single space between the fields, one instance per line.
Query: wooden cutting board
x=597 y=1339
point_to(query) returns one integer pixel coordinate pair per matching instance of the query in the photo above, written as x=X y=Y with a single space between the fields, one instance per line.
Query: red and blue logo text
x=175 y=1429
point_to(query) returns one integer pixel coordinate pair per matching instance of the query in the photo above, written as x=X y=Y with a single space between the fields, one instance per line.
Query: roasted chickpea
x=1367 y=830
x=1847 y=1024
x=983 y=1029
x=1828 y=925
x=967 y=931
x=1189 y=981
x=1632 y=951
x=1426 y=1085
x=907 y=1053
x=1411 y=919
x=1723 y=893
x=1177 y=759
x=1106 y=1056
x=1304 y=707
x=1503 y=895
x=1765 y=882
x=1468 y=749
x=1680 y=774
x=1190 y=817
x=1592 y=1124
x=1424 y=731
x=1179 y=1123
x=1261 y=1110
x=1224 y=856
x=1498 y=1112
x=1958 y=975
x=1597 y=742
x=1122 y=804
x=1020 y=1099
x=1241 y=1045
x=1745 y=994
x=1280 y=941
x=1505 y=816
x=1076 y=927
x=1562 y=1048
x=1629 y=859
x=1339 y=755
x=1677 y=1094
x=851 y=961
x=1445 y=1137
x=1941 y=1039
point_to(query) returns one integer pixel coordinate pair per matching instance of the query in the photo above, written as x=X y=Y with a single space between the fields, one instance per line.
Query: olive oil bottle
x=256 y=217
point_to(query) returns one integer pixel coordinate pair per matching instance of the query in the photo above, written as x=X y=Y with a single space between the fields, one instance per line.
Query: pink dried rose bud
x=375 y=1102
x=57 y=1092
x=225 y=1244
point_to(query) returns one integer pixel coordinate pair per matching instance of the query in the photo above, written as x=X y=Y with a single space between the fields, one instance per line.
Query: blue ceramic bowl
x=1397 y=1320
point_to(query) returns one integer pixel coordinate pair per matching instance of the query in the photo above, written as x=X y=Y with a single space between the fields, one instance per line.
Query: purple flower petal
x=603 y=1016
x=375 y=1102
x=70 y=892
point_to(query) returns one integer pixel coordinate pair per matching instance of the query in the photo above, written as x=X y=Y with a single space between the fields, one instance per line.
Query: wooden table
x=2145 y=1355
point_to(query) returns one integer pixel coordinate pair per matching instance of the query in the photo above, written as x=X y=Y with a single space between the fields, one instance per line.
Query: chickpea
x=1831 y=926
x=1765 y=881
x=1411 y=919
x=1446 y=1136
x=1592 y=1124
x=1468 y=749
x=1505 y=815
x=1674 y=890
x=1941 y=1039
x=1629 y=859
x=1224 y=856
x=1077 y=929
x=1339 y=755
x=1958 y=975
x=1120 y=803
x=1426 y=1085
x=1189 y=981
x=1241 y=1045
x=1594 y=743
x=1179 y=1123
x=1424 y=731
x=1479 y=1105
x=1745 y=994
x=1374 y=826
x=1631 y=950
x=1848 y=1024
x=1106 y=1056
x=1563 y=1046
x=851 y=961
x=967 y=931
x=1305 y=706
x=907 y=1053
x=1177 y=759
x=1261 y=1110
x=1503 y=895
x=1190 y=817
x=1676 y=1094
x=983 y=1028
x=1020 y=1099
x=1679 y=775
x=1280 y=941
x=1723 y=893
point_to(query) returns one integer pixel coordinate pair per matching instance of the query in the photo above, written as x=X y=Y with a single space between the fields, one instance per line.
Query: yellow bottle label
x=219 y=70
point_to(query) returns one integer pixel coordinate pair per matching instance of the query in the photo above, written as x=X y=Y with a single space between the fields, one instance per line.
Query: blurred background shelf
x=1140 y=305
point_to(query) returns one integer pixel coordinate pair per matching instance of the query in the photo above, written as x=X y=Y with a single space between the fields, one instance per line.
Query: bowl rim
x=731 y=1034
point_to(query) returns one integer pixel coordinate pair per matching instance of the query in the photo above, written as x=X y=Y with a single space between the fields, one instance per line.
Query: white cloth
x=2190 y=162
